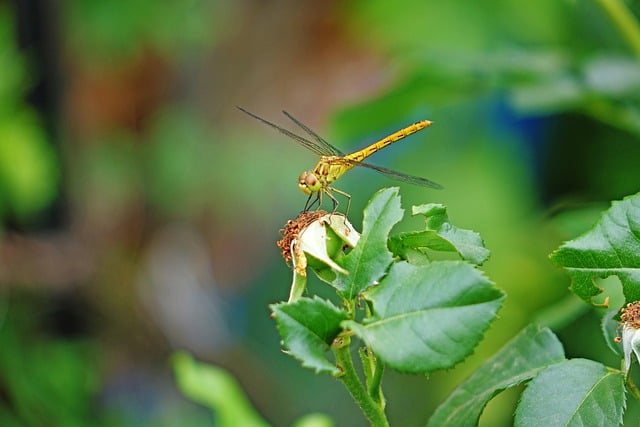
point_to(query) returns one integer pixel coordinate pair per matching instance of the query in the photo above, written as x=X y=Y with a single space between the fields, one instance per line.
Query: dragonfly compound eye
x=308 y=183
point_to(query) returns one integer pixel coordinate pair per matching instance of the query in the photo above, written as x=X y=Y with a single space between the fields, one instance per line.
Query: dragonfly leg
x=309 y=204
x=306 y=205
x=335 y=201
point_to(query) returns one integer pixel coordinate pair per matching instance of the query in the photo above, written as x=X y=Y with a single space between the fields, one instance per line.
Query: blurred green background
x=139 y=208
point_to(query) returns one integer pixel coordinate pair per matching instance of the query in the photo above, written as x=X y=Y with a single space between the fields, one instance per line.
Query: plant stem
x=375 y=390
x=624 y=20
x=298 y=286
x=374 y=412
x=633 y=389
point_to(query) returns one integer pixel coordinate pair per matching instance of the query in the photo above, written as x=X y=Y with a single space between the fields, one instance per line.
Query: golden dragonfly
x=334 y=163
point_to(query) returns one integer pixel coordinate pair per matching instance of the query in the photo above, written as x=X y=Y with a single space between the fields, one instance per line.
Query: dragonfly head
x=309 y=183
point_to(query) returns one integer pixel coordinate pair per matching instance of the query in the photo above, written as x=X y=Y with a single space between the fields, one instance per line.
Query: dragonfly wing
x=411 y=179
x=329 y=150
x=311 y=145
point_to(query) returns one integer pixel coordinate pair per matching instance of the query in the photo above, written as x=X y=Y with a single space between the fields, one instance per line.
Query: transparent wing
x=330 y=149
x=321 y=148
x=411 y=179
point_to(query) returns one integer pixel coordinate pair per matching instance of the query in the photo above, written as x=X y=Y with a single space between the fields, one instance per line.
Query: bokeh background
x=139 y=208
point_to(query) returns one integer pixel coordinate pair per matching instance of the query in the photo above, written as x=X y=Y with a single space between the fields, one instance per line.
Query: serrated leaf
x=612 y=247
x=369 y=260
x=519 y=360
x=576 y=392
x=217 y=389
x=441 y=235
x=307 y=327
x=428 y=317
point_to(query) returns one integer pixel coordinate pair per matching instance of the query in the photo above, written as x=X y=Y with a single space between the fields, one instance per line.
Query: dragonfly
x=334 y=163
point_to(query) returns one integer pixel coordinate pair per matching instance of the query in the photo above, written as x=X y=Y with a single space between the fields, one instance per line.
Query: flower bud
x=630 y=320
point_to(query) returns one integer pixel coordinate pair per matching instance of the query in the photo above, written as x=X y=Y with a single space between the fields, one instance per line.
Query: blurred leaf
x=307 y=327
x=463 y=25
x=612 y=247
x=217 y=389
x=29 y=172
x=574 y=392
x=368 y=261
x=314 y=420
x=428 y=317
x=403 y=103
x=616 y=76
x=552 y=94
x=533 y=349
x=623 y=115
x=45 y=381
x=440 y=235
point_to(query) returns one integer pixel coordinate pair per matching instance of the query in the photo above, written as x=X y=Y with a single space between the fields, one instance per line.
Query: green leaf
x=612 y=247
x=533 y=349
x=428 y=317
x=369 y=260
x=29 y=169
x=307 y=327
x=576 y=392
x=441 y=235
x=217 y=389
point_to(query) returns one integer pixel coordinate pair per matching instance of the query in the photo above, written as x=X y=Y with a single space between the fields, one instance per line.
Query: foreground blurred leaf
x=576 y=392
x=217 y=389
x=428 y=317
x=368 y=261
x=612 y=247
x=441 y=235
x=519 y=360
x=308 y=326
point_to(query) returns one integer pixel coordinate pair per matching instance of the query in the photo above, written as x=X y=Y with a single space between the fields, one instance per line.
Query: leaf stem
x=624 y=20
x=373 y=411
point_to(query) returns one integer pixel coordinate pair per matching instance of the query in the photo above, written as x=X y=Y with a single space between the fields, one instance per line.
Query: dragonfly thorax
x=309 y=183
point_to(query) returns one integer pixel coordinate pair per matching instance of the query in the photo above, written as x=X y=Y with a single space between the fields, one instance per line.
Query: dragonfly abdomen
x=394 y=137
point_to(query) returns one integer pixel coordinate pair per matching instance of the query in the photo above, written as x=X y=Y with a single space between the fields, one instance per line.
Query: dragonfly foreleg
x=309 y=204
